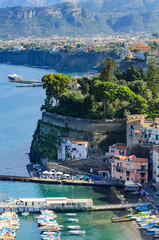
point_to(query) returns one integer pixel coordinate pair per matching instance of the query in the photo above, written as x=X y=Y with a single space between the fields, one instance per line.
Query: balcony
x=132 y=170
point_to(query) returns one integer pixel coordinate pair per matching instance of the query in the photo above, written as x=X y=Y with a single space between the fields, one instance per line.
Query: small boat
x=73 y=227
x=72 y=220
x=71 y=214
x=77 y=232
x=25 y=214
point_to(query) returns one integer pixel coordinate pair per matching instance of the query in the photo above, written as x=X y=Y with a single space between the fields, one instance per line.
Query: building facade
x=130 y=168
x=72 y=148
x=155 y=161
x=118 y=149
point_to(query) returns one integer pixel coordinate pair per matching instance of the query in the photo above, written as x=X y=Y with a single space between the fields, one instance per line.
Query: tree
x=107 y=70
x=153 y=77
x=55 y=85
x=106 y=91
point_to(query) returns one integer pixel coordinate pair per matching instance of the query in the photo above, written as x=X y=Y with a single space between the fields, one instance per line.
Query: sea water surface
x=19 y=113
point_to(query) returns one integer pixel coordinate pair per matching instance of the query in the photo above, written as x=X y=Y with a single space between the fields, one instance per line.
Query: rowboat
x=71 y=214
x=25 y=214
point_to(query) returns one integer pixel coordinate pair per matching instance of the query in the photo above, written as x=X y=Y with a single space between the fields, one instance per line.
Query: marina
x=17 y=120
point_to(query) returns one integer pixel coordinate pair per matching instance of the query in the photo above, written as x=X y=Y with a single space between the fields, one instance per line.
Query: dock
x=116 y=206
x=26 y=81
x=60 y=204
x=56 y=181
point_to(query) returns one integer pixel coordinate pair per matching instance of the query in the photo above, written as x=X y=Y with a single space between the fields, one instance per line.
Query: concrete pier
x=56 y=181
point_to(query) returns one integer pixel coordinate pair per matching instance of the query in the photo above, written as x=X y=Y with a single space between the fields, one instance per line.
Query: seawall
x=92 y=126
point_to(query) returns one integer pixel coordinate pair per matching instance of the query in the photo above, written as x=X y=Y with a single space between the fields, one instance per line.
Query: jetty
x=56 y=181
x=59 y=204
x=26 y=81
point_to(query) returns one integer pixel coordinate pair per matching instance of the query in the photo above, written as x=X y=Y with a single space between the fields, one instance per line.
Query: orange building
x=130 y=168
x=141 y=46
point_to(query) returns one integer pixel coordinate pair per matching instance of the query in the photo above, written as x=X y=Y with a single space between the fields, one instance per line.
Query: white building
x=150 y=135
x=155 y=161
x=140 y=55
x=72 y=148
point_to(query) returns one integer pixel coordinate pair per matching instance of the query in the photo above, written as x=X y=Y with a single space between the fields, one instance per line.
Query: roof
x=79 y=142
x=121 y=146
x=133 y=158
x=134 y=120
x=69 y=138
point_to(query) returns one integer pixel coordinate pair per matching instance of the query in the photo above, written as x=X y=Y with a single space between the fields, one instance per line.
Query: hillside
x=62 y=19
x=72 y=19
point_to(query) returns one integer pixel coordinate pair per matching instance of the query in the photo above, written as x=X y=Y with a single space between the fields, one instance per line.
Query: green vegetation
x=111 y=95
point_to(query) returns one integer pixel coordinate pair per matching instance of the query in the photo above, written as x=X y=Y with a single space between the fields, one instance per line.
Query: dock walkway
x=56 y=181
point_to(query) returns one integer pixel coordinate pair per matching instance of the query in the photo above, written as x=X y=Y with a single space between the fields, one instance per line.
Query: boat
x=14 y=77
x=72 y=220
x=77 y=232
x=73 y=227
x=71 y=214
x=25 y=214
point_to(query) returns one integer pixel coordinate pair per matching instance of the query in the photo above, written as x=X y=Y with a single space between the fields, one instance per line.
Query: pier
x=59 y=204
x=56 y=181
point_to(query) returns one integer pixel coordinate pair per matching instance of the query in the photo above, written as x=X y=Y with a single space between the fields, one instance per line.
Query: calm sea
x=19 y=112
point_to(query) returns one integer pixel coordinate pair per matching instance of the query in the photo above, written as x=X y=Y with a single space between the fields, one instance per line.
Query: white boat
x=73 y=227
x=14 y=77
x=71 y=214
x=77 y=232
x=25 y=214
x=72 y=220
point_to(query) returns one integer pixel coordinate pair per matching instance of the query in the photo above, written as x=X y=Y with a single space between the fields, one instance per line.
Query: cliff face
x=100 y=134
x=61 y=62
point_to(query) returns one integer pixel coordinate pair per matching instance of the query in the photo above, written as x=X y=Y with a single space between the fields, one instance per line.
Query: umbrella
x=59 y=173
x=46 y=172
x=85 y=176
x=66 y=175
x=95 y=177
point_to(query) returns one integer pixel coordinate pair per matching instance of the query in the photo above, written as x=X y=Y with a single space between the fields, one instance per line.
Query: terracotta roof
x=79 y=142
x=121 y=146
x=70 y=138
x=133 y=120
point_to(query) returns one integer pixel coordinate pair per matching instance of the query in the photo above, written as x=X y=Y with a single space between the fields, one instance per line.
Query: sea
x=19 y=113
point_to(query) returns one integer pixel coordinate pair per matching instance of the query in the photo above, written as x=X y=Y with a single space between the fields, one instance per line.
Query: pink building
x=118 y=149
x=130 y=168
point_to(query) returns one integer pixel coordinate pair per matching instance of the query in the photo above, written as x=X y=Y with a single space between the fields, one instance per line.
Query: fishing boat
x=72 y=220
x=25 y=214
x=77 y=232
x=73 y=227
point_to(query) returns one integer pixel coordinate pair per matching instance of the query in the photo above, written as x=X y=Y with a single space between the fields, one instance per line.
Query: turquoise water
x=19 y=112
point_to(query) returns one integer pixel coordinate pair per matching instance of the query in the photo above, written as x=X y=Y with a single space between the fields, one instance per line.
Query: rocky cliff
x=52 y=128
x=79 y=62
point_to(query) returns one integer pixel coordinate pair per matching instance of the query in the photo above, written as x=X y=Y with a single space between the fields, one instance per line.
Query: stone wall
x=100 y=126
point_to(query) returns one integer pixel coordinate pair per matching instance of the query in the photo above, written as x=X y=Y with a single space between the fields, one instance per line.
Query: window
x=80 y=155
x=32 y=203
x=127 y=178
x=112 y=151
x=121 y=164
x=156 y=137
x=74 y=149
x=120 y=177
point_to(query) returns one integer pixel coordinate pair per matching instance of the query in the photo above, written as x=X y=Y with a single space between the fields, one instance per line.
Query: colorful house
x=130 y=168
x=118 y=149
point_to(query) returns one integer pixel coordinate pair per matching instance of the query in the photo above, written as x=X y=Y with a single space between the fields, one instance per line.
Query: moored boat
x=74 y=232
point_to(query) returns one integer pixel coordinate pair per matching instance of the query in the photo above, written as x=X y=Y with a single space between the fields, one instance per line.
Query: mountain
x=72 y=19
x=92 y=5
x=62 y=19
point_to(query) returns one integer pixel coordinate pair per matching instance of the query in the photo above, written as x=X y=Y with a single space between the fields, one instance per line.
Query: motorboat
x=72 y=220
x=14 y=77
x=71 y=214
x=76 y=232
x=73 y=227
x=25 y=214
